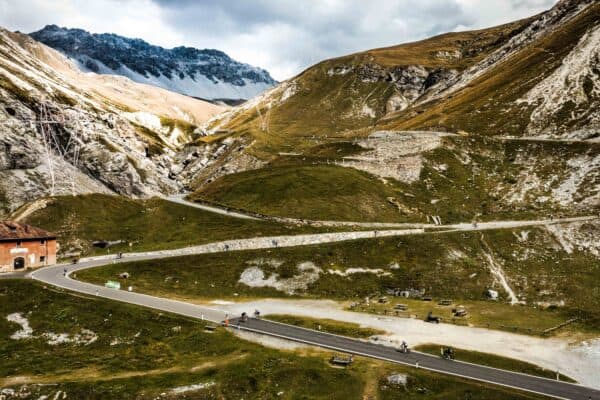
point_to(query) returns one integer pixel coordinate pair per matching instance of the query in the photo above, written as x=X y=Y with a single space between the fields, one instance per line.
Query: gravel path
x=179 y=199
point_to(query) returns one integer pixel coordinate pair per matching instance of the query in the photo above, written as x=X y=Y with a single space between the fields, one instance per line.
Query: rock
x=396 y=102
x=397 y=379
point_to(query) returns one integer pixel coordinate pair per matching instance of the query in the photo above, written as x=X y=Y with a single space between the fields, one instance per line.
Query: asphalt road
x=54 y=275
x=525 y=382
x=180 y=199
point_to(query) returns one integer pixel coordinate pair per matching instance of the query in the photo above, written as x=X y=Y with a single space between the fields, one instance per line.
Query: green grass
x=318 y=192
x=146 y=224
x=492 y=360
x=479 y=189
x=3 y=203
x=157 y=352
x=326 y=325
x=425 y=386
x=445 y=265
x=481 y=313
x=305 y=185
x=167 y=351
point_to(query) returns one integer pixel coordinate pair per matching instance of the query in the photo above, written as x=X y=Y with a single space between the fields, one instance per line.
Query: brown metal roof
x=10 y=230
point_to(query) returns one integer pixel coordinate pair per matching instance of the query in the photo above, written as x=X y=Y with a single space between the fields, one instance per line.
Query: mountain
x=208 y=74
x=499 y=121
x=66 y=132
x=450 y=82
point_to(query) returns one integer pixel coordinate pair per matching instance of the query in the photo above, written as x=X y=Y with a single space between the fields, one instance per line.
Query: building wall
x=32 y=252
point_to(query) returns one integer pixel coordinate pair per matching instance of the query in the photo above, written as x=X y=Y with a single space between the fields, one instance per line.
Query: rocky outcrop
x=410 y=82
x=57 y=139
x=71 y=151
x=543 y=25
x=573 y=88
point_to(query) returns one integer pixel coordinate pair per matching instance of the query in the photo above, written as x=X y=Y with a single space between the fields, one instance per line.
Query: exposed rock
x=540 y=26
x=411 y=82
x=573 y=88
x=60 y=132
x=397 y=379
x=394 y=154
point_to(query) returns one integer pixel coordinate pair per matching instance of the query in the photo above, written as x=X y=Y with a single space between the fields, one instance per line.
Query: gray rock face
x=17 y=153
x=56 y=141
x=546 y=23
x=411 y=82
x=89 y=156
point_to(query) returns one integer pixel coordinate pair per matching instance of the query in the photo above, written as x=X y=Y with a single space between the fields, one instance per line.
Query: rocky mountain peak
x=204 y=73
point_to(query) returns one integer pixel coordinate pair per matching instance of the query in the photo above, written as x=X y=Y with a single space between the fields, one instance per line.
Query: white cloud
x=282 y=36
x=132 y=18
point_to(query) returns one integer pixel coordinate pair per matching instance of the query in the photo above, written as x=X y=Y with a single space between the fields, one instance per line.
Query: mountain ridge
x=207 y=73
x=418 y=120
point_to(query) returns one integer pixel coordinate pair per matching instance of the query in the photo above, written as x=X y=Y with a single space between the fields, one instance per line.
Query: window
x=18 y=243
x=43 y=241
x=42 y=258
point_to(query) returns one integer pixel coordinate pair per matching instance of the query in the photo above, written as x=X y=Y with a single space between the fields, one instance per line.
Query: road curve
x=54 y=275
x=180 y=199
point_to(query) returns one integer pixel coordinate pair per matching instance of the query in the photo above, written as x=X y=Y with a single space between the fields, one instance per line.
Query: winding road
x=54 y=275
x=180 y=199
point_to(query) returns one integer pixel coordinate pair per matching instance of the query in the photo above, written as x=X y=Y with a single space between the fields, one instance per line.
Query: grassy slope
x=326 y=109
x=158 y=352
x=486 y=106
x=494 y=361
x=319 y=192
x=495 y=170
x=148 y=225
x=473 y=45
x=308 y=187
x=328 y=105
x=450 y=265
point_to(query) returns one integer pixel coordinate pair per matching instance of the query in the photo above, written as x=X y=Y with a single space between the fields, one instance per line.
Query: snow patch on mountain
x=208 y=73
x=195 y=86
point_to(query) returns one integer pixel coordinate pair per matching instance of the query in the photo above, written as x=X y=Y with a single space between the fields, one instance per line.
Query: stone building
x=23 y=246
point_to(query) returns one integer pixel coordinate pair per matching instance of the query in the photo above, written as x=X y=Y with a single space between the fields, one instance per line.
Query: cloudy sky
x=283 y=36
